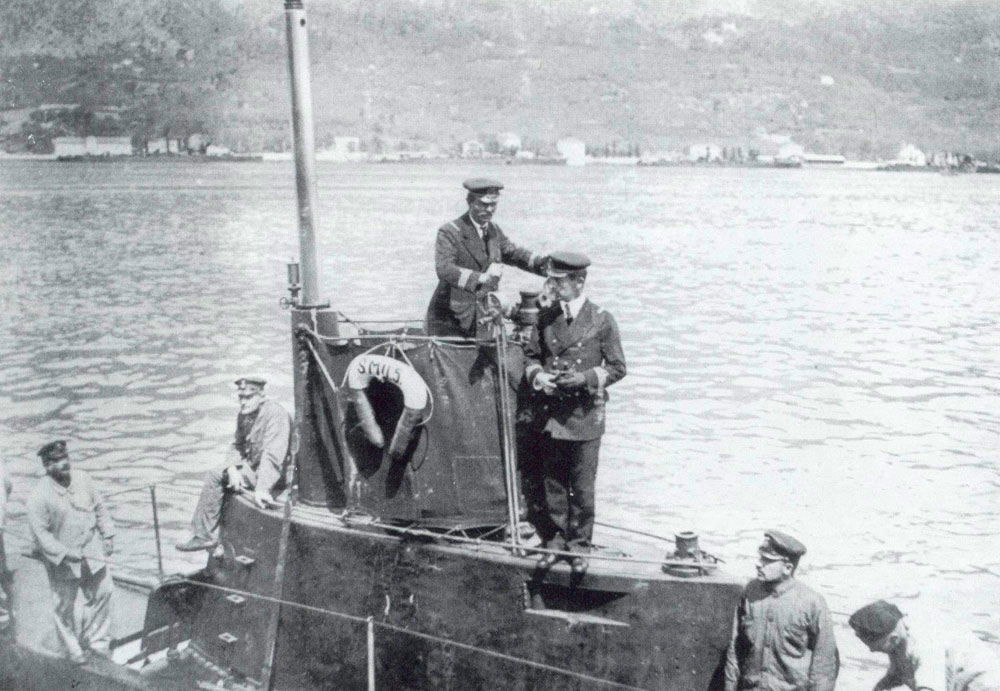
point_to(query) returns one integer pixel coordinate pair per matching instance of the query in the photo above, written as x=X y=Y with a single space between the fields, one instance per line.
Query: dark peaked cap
x=778 y=545
x=875 y=620
x=251 y=379
x=53 y=451
x=563 y=263
x=482 y=185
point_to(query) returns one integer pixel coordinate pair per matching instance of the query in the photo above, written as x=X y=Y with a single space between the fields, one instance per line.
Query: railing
x=371 y=625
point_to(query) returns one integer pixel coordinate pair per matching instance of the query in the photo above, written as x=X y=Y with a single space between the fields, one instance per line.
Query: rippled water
x=811 y=350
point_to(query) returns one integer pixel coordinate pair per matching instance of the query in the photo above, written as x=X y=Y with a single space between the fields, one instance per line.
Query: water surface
x=810 y=350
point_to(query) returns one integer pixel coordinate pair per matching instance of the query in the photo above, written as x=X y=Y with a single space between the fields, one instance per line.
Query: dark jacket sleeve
x=277 y=435
x=612 y=355
x=446 y=260
x=732 y=654
x=518 y=256
x=825 y=659
x=534 y=357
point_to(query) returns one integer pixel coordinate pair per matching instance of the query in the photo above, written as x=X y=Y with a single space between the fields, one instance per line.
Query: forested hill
x=852 y=78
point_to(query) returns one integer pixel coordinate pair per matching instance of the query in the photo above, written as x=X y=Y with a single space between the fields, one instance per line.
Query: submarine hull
x=646 y=630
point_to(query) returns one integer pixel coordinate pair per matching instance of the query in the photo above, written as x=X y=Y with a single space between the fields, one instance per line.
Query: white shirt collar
x=575 y=305
x=481 y=230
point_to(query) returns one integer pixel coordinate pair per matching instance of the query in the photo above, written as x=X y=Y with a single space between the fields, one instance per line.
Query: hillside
x=851 y=78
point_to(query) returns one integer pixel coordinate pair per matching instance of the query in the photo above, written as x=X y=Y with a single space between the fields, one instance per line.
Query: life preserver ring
x=360 y=372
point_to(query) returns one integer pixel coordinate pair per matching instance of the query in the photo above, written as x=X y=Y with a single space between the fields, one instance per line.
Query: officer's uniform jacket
x=782 y=640
x=67 y=520
x=266 y=448
x=590 y=345
x=460 y=258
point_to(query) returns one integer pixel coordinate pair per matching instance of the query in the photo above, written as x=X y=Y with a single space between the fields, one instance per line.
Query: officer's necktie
x=569 y=315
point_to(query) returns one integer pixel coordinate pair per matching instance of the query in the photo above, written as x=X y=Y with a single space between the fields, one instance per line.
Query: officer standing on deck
x=572 y=357
x=782 y=635
x=469 y=256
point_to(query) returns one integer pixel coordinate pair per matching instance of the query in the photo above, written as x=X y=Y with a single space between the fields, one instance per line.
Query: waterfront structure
x=92 y=146
x=823 y=159
x=163 y=145
x=573 y=150
x=704 y=153
x=909 y=155
x=472 y=149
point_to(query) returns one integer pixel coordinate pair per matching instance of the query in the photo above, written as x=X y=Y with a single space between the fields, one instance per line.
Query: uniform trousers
x=209 y=509
x=570 y=469
x=94 y=630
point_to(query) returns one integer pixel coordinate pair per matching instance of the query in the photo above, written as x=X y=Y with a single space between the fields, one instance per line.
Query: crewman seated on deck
x=263 y=435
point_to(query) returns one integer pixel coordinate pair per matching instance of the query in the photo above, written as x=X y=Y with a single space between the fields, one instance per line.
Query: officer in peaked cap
x=782 y=634
x=74 y=534
x=469 y=255
x=251 y=379
x=572 y=357
x=562 y=264
x=778 y=545
x=483 y=186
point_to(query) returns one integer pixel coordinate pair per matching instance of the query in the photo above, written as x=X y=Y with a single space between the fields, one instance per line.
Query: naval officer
x=572 y=357
x=469 y=256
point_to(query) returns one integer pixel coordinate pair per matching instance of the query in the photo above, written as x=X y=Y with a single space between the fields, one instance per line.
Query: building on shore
x=343 y=149
x=909 y=155
x=790 y=154
x=163 y=145
x=472 y=149
x=573 y=150
x=704 y=153
x=92 y=146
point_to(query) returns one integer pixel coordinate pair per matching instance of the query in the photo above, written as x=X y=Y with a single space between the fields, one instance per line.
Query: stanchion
x=371 y=653
x=156 y=530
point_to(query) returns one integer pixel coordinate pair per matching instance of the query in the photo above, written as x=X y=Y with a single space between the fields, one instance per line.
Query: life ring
x=360 y=372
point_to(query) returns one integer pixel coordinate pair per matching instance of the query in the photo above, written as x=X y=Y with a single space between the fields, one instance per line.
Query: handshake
x=563 y=381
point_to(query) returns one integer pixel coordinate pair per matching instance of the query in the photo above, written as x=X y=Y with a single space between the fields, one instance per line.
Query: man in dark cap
x=931 y=658
x=782 y=635
x=74 y=534
x=469 y=256
x=263 y=436
x=573 y=356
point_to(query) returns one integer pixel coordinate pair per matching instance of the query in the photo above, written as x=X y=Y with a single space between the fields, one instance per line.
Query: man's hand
x=109 y=546
x=491 y=277
x=545 y=382
x=263 y=500
x=568 y=381
x=234 y=479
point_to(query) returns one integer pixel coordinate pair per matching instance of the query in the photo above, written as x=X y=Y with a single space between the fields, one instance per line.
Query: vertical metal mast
x=305 y=148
